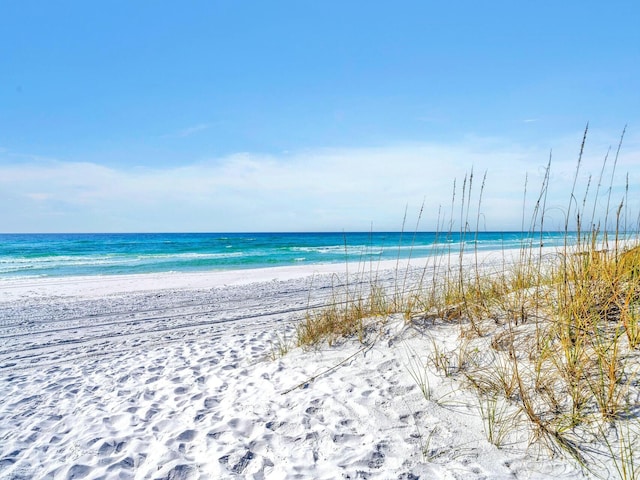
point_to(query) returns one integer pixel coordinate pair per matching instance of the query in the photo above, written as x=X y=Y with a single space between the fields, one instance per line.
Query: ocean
x=59 y=255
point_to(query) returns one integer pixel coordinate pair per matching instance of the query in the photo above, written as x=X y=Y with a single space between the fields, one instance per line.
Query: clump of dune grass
x=559 y=333
x=348 y=314
x=563 y=333
x=279 y=346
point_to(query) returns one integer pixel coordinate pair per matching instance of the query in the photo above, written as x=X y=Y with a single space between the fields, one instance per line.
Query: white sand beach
x=178 y=376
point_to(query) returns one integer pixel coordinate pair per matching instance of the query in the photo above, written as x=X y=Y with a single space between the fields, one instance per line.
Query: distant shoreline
x=71 y=255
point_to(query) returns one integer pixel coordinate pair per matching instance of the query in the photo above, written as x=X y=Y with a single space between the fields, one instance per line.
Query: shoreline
x=92 y=286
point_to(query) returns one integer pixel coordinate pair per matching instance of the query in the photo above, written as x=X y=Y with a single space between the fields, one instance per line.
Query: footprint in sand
x=242 y=426
x=149 y=394
x=110 y=447
x=187 y=436
x=202 y=415
x=78 y=471
x=180 y=472
x=152 y=412
x=238 y=465
x=378 y=456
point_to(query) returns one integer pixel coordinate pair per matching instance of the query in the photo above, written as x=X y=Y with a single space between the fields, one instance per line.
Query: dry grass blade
x=564 y=329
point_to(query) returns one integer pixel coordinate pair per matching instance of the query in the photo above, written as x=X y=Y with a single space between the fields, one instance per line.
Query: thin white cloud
x=330 y=189
x=189 y=131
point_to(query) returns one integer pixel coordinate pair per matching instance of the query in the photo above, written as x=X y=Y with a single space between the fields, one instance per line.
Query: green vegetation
x=547 y=340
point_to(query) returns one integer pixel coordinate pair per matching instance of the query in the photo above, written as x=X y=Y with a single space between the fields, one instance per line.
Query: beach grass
x=548 y=339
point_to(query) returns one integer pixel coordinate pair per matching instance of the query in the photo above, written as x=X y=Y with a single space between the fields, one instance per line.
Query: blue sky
x=300 y=115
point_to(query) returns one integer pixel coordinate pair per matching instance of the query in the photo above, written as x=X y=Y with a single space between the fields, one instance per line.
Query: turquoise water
x=55 y=255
